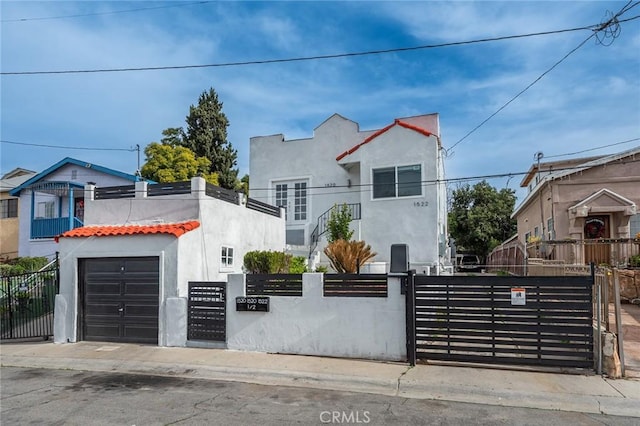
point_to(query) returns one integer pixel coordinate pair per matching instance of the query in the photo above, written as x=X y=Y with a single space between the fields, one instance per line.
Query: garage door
x=120 y=299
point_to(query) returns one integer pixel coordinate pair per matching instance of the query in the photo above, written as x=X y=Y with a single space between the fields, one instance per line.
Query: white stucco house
x=391 y=178
x=52 y=202
x=124 y=275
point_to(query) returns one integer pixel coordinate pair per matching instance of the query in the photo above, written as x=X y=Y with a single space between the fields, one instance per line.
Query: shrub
x=267 y=262
x=338 y=224
x=346 y=257
x=22 y=265
x=298 y=265
x=634 y=261
x=322 y=269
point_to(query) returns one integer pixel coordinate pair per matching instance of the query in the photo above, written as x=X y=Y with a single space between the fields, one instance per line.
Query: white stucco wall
x=72 y=249
x=194 y=256
x=352 y=327
x=417 y=221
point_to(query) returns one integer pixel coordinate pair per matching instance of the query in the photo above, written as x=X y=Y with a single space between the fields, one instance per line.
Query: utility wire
x=604 y=26
x=47 y=18
x=304 y=58
x=68 y=147
x=592 y=149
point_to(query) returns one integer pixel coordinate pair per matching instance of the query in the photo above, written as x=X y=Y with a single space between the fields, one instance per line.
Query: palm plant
x=346 y=257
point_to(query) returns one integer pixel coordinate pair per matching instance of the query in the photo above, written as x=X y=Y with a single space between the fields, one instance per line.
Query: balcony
x=52 y=227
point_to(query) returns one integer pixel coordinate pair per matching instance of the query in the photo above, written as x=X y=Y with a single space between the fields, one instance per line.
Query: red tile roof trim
x=381 y=131
x=175 y=229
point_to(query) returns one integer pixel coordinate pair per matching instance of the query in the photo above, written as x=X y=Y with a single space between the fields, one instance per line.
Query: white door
x=294 y=198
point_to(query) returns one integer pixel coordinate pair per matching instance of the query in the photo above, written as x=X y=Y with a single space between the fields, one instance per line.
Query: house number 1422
x=421 y=203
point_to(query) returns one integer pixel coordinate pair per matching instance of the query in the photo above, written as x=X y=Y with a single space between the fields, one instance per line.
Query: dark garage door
x=120 y=298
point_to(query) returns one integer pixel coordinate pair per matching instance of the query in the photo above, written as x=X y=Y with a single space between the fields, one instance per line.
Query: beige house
x=588 y=200
x=9 y=208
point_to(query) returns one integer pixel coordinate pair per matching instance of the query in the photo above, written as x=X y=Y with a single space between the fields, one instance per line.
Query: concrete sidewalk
x=566 y=392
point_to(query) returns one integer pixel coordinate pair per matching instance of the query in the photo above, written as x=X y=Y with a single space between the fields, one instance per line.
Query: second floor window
x=401 y=181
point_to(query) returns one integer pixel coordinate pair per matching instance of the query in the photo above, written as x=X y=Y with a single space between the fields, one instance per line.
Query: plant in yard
x=338 y=224
x=298 y=265
x=346 y=257
x=321 y=269
x=267 y=262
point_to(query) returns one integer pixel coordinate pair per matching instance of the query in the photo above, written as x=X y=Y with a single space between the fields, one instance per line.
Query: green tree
x=338 y=224
x=243 y=185
x=168 y=163
x=480 y=217
x=206 y=136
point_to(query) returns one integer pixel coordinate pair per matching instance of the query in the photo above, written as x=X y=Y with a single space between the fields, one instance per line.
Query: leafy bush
x=298 y=265
x=634 y=261
x=346 y=257
x=22 y=265
x=338 y=224
x=321 y=269
x=267 y=262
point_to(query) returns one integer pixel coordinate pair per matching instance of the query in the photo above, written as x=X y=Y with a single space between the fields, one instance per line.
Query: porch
x=56 y=207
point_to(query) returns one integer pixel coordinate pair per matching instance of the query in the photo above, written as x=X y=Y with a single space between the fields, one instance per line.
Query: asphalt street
x=67 y=397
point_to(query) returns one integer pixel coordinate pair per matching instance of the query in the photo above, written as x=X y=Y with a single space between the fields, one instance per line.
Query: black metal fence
x=263 y=207
x=27 y=303
x=543 y=321
x=355 y=285
x=274 y=284
x=115 y=192
x=207 y=313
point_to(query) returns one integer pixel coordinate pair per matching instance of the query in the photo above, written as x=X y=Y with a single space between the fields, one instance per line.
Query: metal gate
x=26 y=304
x=542 y=321
x=207 y=312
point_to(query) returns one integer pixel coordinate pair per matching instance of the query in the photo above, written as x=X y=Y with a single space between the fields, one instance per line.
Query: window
x=550 y=229
x=281 y=197
x=634 y=225
x=74 y=174
x=392 y=182
x=536 y=232
x=300 y=201
x=226 y=260
x=8 y=208
x=46 y=209
x=527 y=237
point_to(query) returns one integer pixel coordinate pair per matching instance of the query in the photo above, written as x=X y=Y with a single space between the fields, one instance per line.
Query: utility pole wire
x=47 y=18
x=304 y=58
x=601 y=27
x=67 y=147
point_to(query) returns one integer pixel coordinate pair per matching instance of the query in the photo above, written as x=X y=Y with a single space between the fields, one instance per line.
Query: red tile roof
x=381 y=131
x=175 y=229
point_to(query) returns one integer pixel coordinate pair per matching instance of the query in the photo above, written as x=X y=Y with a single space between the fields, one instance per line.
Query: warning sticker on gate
x=518 y=296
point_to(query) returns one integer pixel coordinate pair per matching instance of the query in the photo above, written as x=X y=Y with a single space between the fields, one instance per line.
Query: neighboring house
x=52 y=202
x=124 y=276
x=9 y=208
x=392 y=179
x=582 y=199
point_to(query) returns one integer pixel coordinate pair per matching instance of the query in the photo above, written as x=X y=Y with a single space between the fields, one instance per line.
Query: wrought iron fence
x=27 y=303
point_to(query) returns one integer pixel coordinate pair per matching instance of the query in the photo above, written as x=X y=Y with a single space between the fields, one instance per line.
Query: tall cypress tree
x=206 y=136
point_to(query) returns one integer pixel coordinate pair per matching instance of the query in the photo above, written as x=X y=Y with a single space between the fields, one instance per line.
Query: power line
x=68 y=147
x=303 y=58
x=593 y=149
x=612 y=20
x=46 y=18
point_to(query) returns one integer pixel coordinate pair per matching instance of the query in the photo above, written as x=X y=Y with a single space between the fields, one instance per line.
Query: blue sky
x=590 y=100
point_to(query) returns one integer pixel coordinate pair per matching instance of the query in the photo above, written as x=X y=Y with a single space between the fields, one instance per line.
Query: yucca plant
x=346 y=257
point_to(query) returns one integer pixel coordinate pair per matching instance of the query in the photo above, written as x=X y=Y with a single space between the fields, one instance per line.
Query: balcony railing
x=52 y=227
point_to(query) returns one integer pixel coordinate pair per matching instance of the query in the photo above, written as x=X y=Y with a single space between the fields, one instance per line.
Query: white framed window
x=550 y=229
x=74 y=174
x=46 y=209
x=397 y=181
x=226 y=257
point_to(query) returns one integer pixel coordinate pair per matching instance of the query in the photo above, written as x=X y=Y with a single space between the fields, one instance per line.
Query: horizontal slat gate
x=207 y=312
x=472 y=319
